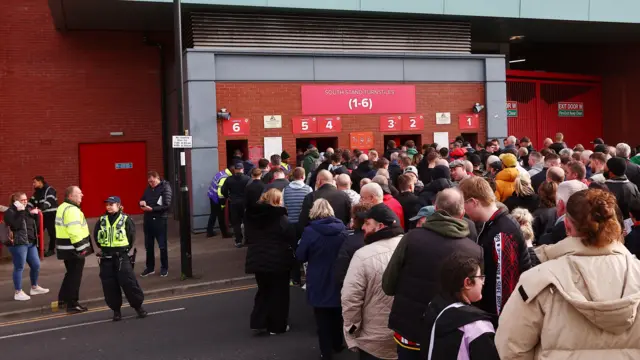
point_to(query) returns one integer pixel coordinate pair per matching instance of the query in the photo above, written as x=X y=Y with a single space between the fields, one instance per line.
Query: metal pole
x=185 y=215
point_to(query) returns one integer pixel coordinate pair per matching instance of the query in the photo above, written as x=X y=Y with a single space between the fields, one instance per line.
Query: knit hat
x=617 y=166
x=285 y=155
x=509 y=160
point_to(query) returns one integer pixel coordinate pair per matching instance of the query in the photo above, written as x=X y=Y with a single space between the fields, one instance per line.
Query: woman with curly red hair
x=582 y=301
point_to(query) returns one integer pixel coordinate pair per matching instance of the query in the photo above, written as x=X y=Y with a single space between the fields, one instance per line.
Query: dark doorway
x=237 y=145
x=472 y=138
x=320 y=143
x=402 y=139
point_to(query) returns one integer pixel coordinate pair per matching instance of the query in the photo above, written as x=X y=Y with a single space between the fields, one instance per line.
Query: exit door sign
x=570 y=109
x=512 y=108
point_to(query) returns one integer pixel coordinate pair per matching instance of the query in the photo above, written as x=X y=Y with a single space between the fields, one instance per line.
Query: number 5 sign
x=468 y=121
x=235 y=127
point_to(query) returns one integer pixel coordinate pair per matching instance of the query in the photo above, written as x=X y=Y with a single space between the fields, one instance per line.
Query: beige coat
x=364 y=305
x=580 y=303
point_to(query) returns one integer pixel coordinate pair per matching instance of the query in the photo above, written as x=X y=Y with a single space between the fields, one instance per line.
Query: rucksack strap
x=433 y=329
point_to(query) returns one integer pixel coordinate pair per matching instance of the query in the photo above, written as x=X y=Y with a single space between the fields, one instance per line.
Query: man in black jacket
x=279 y=181
x=364 y=167
x=44 y=198
x=413 y=274
x=558 y=231
x=633 y=171
x=234 y=190
x=156 y=202
x=501 y=239
x=409 y=201
x=339 y=200
x=255 y=188
x=618 y=183
x=551 y=160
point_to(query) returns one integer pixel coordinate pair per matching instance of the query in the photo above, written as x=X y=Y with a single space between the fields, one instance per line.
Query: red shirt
x=395 y=206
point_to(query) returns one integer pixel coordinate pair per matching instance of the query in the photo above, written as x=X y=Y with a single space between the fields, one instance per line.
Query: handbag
x=6 y=235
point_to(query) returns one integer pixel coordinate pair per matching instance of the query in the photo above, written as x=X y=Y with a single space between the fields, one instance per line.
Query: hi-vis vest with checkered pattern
x=72 y=231
x=113 y=235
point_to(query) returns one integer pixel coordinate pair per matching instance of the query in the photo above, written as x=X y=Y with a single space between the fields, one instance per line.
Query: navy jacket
x=321 y=241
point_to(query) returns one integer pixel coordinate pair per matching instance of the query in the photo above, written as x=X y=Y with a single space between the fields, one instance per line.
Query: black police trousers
x=117 y=273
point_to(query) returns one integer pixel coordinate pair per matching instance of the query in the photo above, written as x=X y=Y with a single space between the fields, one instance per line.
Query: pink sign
x=358 y=99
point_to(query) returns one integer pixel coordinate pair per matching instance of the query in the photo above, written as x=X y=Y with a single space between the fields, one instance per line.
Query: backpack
x=6 y=235
x=316 y=163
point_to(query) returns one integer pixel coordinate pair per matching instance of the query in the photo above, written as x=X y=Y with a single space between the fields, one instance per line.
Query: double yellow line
x=152 y=301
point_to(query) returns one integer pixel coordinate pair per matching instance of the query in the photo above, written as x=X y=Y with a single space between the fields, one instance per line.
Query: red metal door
x=112 y=169
x=538 y=116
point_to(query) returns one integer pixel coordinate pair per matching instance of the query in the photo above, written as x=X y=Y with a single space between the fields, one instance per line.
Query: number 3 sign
x=235 y=127
x=402 y=122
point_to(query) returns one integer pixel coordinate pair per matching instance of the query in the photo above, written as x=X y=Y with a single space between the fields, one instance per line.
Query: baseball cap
x=425 y=211
x=380 y=213
x=238 y=166
x=113 y=200
x=598 y=141
x=411 y=169
x=454 y=164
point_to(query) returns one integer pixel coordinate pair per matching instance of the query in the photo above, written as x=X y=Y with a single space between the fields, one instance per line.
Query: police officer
x=115 y=235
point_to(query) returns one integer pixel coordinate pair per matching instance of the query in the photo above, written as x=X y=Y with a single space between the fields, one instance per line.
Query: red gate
x=541 y=104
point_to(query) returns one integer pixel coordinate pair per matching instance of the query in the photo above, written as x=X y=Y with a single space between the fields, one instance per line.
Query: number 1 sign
x=235 y=127
x=468 y=121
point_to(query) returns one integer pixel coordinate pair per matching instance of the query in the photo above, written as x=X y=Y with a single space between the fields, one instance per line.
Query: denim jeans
x=22 y=254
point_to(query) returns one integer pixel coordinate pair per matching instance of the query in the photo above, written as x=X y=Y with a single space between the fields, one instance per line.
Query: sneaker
x=117 y=316
x=49 y=253
x=147 y=272
x=141 y=313
x=285 y=331
x=304 y=287
x=239 y=245
x=76 y=309
x=164 y=272
x=38 y=290
x=21 y=296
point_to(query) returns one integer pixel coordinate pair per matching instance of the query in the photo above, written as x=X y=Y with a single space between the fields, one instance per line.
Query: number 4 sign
x=330 y=124
x=235 y=127
x=468 y=121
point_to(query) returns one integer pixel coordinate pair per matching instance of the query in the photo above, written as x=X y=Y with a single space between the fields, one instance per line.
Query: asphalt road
x=212 y=326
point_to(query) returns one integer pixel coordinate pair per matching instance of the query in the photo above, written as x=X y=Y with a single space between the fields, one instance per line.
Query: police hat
x=113 y=200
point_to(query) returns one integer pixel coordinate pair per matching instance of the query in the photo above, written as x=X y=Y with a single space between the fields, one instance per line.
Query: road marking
x=82 y=324
x=152 y=301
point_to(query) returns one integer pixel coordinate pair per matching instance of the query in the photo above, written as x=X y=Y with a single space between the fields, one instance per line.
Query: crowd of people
x=496 y=251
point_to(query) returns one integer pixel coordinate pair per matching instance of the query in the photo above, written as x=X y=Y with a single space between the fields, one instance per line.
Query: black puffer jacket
x=413 y=273
x=23 y=225
x=159 y=199
x=360 y=173
x=270 y=239
x=441 y=176
x=625 y=192
x=349 y=247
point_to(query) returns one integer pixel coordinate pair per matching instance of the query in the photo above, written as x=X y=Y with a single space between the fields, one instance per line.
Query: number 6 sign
x=236 y=126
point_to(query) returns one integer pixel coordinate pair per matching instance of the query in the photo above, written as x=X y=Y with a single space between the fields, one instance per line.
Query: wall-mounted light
x=477 y=107
x=224 y=114
x=116 y=133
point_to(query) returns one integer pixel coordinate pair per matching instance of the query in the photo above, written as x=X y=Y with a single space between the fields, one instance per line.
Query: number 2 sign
x=402 y=122
x=235 y=127
x=468 y=121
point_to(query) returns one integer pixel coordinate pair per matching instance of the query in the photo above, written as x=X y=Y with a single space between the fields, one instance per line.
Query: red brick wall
x=60 y=89
x=254 y=100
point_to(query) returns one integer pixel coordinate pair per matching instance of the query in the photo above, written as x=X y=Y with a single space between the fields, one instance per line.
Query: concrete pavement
x=216 y=263
x=213 y=326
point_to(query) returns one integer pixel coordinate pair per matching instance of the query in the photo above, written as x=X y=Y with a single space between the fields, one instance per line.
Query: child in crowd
x=456 y=329
x=525 y=219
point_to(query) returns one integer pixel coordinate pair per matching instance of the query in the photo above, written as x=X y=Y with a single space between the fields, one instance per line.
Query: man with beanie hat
x=624 y=190
x=284 y=162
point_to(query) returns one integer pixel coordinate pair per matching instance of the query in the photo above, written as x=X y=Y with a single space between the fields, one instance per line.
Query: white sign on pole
x=273 y=121
x=182 y=142
x=442 y=139
x=272 y=146
x=443 y=118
